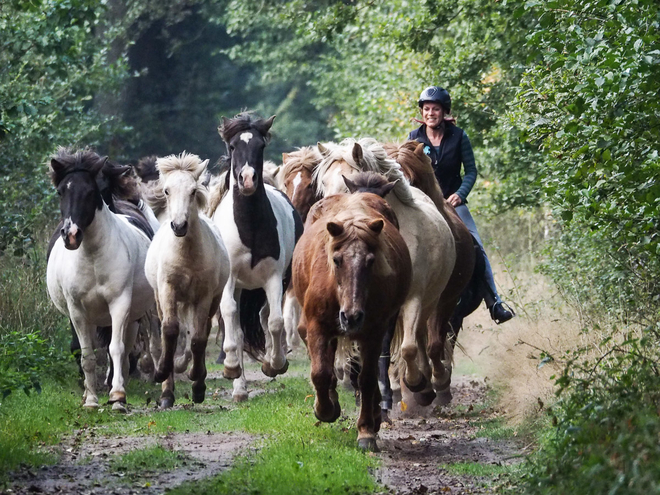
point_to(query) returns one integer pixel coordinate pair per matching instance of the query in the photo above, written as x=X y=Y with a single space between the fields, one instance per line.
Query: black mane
x=71 y=161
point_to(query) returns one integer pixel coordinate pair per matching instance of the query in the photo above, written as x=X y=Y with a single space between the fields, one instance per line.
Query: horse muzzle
x=179 y=229
x=72 y=237
x=351 y=323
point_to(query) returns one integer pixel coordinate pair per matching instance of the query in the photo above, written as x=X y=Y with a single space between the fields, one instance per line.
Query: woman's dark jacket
x=455 y=149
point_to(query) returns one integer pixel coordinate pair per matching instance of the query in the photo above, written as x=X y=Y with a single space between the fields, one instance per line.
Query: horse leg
x=322 y=352
x=233 y=345
x=84 y=332
x=169 y=333
x=413 y=322
x=221 y=331
x=167 y=392
x=441 y=340
x=368 y=422
x=198 y=345
x=132 y=330
x=119 y=311
x=291 y=313
x=276 y=357
x=384 y=368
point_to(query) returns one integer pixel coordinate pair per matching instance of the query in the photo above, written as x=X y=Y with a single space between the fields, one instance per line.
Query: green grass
x=141 y=463
x=478 y=469
x=495 y=429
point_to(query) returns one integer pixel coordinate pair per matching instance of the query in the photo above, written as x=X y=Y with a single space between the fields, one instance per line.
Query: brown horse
x=417 y=168
x=296 y=177
x=352 y=272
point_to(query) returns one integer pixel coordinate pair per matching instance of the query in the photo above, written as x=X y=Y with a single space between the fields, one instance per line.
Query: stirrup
x=505 y=313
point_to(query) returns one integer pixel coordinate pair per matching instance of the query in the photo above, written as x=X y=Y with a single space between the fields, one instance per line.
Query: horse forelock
x=146 y=168
x=307 y=157
x=73 y=161
x=185 y=162
x=153 y=195
x=244 y=121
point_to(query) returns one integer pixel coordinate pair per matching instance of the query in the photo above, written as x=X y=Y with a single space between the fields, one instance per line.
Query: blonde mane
x=188 y=163
x=307 y=157
x=374 y=159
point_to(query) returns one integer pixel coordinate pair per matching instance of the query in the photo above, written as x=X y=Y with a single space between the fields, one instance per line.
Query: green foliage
x=54 y=64
x=25 y=358
x=607 y=426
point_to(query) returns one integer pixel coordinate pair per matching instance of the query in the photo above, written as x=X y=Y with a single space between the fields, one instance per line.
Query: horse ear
x=263 y=126
x=357 y=153
x=377 y=225
x=98 y=166
x=419 y=150
x=285 y=157
x=223 y=126
x=335 y=229
x=203 y=173
x=350 y=184
x=322 y=149
x=385 y=189
x=276 y=171
x=56 y=166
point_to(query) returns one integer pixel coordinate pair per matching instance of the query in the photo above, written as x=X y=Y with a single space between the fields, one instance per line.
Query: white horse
x=95 y=271
x=187 y=266
x=427 y=235
x=260 y=228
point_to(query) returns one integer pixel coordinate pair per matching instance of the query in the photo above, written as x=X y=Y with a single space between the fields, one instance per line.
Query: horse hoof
x=221 y=358
x=239 y=396
x=424 y=398
x=119 y=407
x=271 y=372
x=416 y=388
x=231 y=372
x=117 y=397
x=329 y=418
x=198 y=397
x=91 y=407
x=166 y=402
x=368 y=444
x=444 y=397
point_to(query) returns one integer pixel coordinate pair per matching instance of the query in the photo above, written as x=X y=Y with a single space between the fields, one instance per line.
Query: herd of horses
x=376 y=281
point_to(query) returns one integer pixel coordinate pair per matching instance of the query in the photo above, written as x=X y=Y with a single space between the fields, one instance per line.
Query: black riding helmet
x=436 y=94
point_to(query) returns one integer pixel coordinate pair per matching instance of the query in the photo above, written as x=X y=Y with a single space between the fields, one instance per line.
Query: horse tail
x=254 y=339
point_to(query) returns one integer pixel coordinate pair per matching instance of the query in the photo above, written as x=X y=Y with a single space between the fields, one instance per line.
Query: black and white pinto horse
x=95 y=272
x=260 y=228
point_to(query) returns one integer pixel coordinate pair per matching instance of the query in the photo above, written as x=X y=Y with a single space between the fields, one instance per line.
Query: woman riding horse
x=448 y=146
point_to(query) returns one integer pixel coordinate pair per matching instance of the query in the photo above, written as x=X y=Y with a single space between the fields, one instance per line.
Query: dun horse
x=352 y=269
x=187 y=265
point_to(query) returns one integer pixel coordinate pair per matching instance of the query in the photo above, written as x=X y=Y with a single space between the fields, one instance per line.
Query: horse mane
x=270 y=171
x=374 y=159
x=188 y=163
x=244 y=121
x=217 y=191
x=153 y=195
x=146 y=168
x=417 y=168
x=307 y=157
x=84 y=159
x=122 y=182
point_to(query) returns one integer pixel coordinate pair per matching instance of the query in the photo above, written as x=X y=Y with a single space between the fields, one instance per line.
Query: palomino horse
x=429 y=240
x=464 y=283
x=95 y=271
x=352 y=269
x=260 y=228
x=187 y=265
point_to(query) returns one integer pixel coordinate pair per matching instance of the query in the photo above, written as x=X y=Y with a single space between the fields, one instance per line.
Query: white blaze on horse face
x=296 y=182
x=68 y=185
x=246 y=136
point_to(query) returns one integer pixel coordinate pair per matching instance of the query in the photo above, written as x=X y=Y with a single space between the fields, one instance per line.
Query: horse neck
x=255 y=204
x=102 y=232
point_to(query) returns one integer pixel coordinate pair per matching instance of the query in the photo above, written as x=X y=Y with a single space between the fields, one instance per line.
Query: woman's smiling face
x=432 y=114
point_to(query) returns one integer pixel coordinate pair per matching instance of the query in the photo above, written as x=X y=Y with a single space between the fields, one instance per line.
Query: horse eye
x=337 y=260
x=166 y=191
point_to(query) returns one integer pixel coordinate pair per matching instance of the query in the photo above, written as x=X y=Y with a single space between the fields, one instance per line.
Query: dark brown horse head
x=296 y=173
x=353 y=255
x=74 y=175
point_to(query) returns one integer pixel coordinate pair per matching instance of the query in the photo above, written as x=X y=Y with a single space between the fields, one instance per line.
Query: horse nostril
x=342 y=318
x=62 y=232
x=358 y=318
